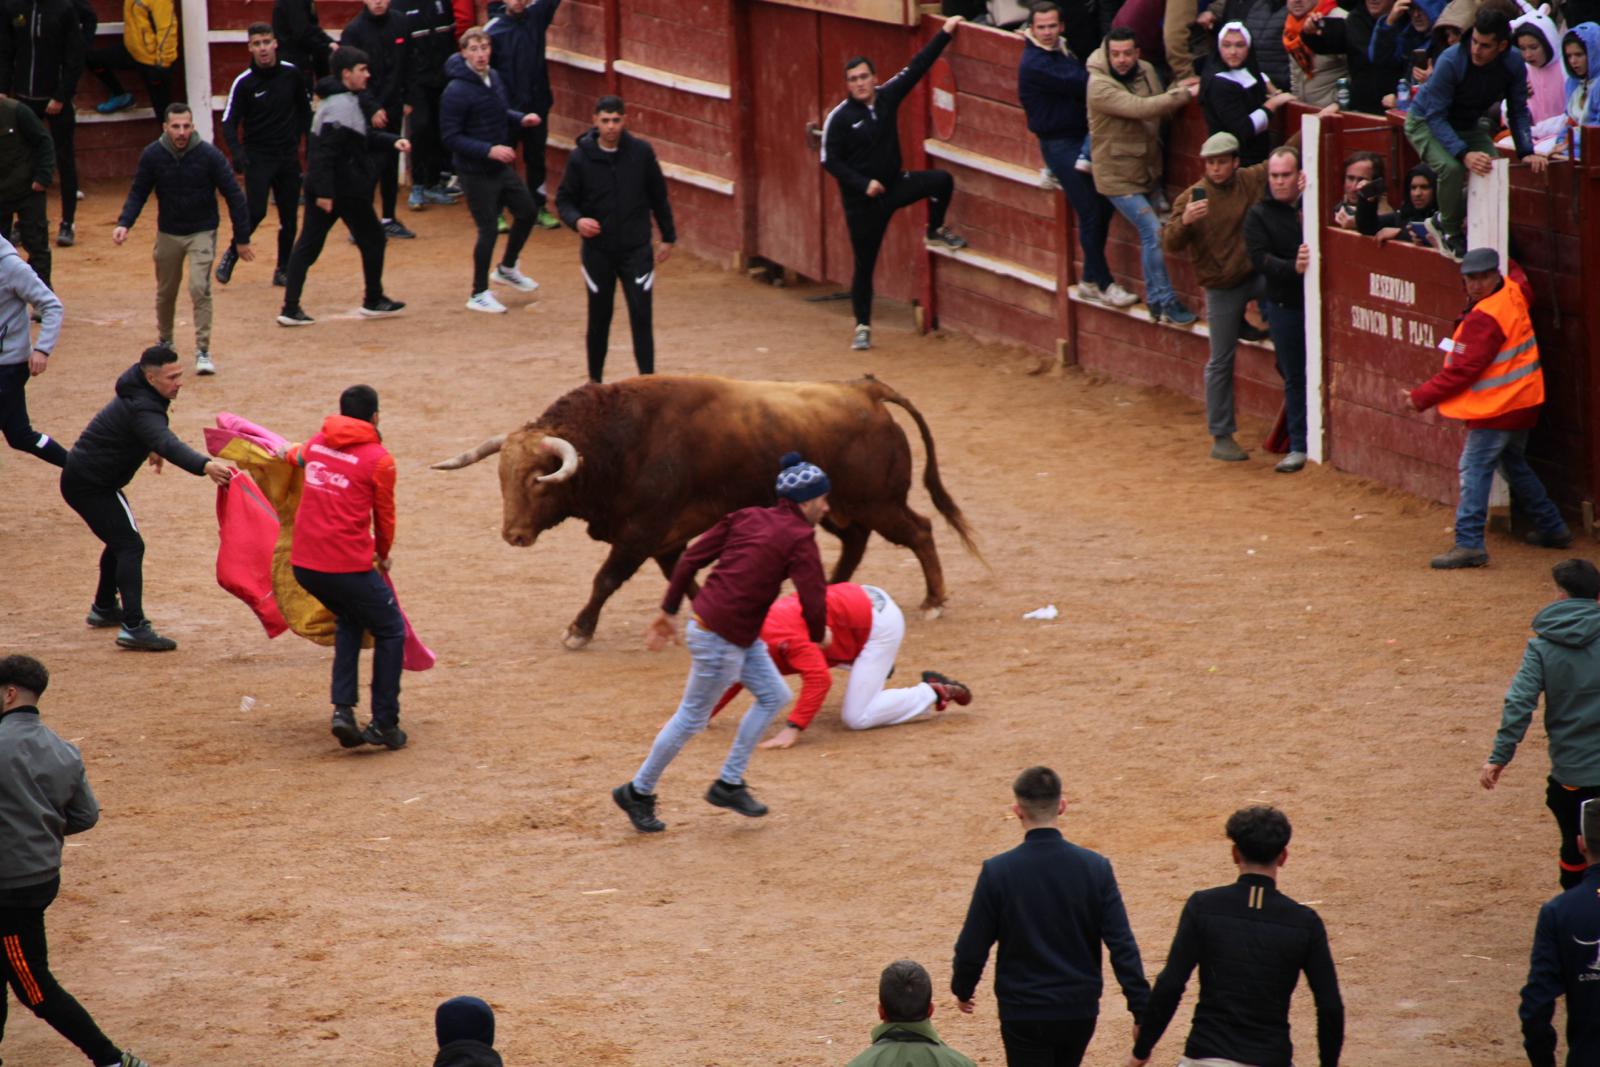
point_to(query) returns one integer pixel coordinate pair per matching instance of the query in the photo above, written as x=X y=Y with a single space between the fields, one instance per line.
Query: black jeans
x=14 y=421
x=386 y=161
x=1054 y=1043
x=362 y=603
x=103 y=62
x=869 y=221
x=29 y=214
x=279 y=178
x=108 y=516
x=356 y=212
x=63 y=127
x=1565 y=804
x=486 y=195
x=635 y=268
x=533 y=140
x=26 y=966
x=422 y=126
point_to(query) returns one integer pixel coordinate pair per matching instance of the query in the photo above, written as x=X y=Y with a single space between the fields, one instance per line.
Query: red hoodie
x=349 y=490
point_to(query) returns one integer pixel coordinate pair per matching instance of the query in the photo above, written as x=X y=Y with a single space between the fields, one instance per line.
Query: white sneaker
x=1091 y=292
x=1118 y=297
x=203 y=364
x=513 y=277
x=486 y=303
x=862 y=339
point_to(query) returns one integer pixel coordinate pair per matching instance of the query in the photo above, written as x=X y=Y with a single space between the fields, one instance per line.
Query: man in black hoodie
x=465 y=1029
x=381 y=34
x=127 y=432
x=41 y=59
x=612 y=185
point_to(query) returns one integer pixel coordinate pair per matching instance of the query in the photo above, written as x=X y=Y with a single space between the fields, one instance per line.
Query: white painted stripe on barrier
x=699 y=178
x=132 y=114
x=683 y=82
x=978 y=161
x=1006 y=268
x=575 y=59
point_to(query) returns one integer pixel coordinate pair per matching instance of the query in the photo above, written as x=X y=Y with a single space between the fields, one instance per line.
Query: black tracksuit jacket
x=620 y=190
x=861 y=144
x=43 y=58
x=121 y=437
x=431 y=40
x=272 y=105
x=1251 y=943
x=384 y=42
x=300 y=35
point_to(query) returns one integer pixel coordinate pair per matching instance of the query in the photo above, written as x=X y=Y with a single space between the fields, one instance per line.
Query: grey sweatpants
x=1224 y=316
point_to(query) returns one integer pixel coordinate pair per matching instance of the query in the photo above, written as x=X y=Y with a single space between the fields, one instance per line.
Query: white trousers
x=866 y=702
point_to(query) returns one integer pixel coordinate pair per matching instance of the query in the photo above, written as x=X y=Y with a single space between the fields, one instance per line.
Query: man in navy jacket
x=1566 y=962
x=518 y=33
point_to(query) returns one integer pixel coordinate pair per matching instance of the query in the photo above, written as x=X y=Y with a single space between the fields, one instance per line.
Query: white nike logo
x=261 y=94
x=640 y=279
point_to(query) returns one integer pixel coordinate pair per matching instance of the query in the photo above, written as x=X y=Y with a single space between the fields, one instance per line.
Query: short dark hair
x=1364 y=157
x=348 y=57
x=259 y=29
x=1043 y=7
x=855 y=61
x=905 y=992
x=612 y=103
x=1286 y=150
x=25 y=672
x=1038 y=792
x=157 y=356
x=359 y=402
x=1492 y=22
x=177 y=107
x=1578 y=578
x=1122 y=33
x=1261 y=832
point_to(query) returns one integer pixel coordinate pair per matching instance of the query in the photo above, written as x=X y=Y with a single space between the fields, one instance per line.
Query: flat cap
x=1478 y=260
x=1220 y=144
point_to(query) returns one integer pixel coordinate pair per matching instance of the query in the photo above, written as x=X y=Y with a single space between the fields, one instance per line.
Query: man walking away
x=41 y=60
x=474 y=118
x=269 y=100
x=44 y=797
x=518 y=34
x=27 y=163
x=612 y=185
x=109 y=452
x=1272 y=236
x=1051 y=905
x=339 y=180
x=185 y=173
x=21 y=357
x=1562 y=661
x=906 y=1037
x=861 y=149
x=1251 y=944
x=1566 y=962
x=381 y=34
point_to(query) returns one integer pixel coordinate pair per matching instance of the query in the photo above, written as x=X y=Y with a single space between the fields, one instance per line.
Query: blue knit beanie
x=801 y=481
x=464 y=1019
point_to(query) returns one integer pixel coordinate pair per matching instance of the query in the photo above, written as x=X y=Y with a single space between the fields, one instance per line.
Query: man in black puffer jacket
x=186 y=174
x=465 y=1029
x=41 y=59
x=109 y=452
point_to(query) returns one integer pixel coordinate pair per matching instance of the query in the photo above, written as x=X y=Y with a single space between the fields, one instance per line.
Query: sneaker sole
x=137 y=646
x=483 y=310
x=533 y=287
x=349 y=735
x=727 y=806
x=205 y=372
x=373 y=314
x=284 y=320
x=616 y=798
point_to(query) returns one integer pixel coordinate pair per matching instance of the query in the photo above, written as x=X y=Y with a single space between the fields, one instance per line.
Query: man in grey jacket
x=44 y=795
x=21 y=357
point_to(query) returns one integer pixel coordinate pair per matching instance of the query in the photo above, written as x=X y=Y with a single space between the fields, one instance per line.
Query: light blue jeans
x=716 y=664
x=1135 y=207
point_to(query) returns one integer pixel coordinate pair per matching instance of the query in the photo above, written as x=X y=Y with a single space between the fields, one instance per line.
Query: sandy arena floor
x=253 y=894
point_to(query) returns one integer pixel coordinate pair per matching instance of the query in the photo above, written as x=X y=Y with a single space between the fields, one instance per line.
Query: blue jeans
x=1484 y=451
x=1093 y=211
x=716 y=664
x=1288 y=328
x=1135 y=207
x=362 y=603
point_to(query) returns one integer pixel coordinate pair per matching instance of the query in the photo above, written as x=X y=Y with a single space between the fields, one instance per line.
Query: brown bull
x=651 y=463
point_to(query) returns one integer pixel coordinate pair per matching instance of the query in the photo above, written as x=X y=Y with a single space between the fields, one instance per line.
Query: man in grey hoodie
x=44 y=796
x=21 y=357
x=1562 y=662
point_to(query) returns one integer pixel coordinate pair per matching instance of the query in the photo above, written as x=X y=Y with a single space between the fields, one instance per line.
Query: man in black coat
x=1273 y=236
x=432 y=41
x=1566 y=962
x=27 y=164
x=127 y=432
x=612 y=185
x=382 y=35
x=41 y=59
x=518 y=32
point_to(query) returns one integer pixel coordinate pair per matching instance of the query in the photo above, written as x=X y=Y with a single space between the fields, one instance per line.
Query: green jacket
x=1563 y=663
x=909 y=1045
x=27 y=154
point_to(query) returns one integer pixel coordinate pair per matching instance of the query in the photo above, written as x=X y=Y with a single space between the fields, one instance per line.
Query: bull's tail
x=930 y=472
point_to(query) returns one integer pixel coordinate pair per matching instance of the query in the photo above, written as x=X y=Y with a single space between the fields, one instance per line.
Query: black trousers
x=1565 y=804
x=427 y=150
x=63 y=127
x=635 y=268
x=277 y=177
x=532 y=139
x=104 y=62
x=486 y=195
x=386 y=161
x=29 y=213
x=14 y=422
x=25 y=962
x=869 y=221
x=362 y=603
x=356 y=213
x=1055 y=1043
x=110 y=518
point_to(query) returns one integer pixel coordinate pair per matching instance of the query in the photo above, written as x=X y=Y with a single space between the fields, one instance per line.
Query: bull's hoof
x=574 y=640
x=933 y=611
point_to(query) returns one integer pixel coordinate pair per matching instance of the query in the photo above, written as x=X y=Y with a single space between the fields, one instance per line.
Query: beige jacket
x=1125 y=125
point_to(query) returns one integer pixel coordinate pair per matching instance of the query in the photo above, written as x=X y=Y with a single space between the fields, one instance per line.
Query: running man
x=21 y=357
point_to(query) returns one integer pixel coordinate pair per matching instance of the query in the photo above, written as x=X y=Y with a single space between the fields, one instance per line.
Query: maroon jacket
x=755 y=550
x=1482 y=338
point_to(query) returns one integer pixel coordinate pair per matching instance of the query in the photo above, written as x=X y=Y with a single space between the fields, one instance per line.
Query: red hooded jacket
x=349 y=493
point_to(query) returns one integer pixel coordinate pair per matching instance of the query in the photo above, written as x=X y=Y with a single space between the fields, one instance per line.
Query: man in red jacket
x=865 y=628
x=755 y=550
x=1491 y=380
x=343 y=532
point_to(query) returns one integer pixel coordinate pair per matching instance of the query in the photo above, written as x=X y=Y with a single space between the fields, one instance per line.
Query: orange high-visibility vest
x=1513 y=381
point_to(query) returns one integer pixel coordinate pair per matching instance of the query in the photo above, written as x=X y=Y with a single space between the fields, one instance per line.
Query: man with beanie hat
x=465 y=1029
x=755 y=549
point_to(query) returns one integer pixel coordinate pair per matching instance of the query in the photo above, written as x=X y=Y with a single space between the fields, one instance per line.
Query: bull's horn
x=471 y=456
x=569 y=460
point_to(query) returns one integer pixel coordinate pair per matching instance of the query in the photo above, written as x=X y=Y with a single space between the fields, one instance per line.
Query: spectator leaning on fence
x=1359 y=169
x=1237 y=98
x=1348 y=34
x=1126 y=109
x=1313 y=79
x=1273 y=236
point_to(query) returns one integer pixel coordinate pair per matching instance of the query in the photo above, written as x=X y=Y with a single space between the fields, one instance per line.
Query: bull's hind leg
x=901 y=526
x=853 y=546
x=667 y=561
x=619 y=566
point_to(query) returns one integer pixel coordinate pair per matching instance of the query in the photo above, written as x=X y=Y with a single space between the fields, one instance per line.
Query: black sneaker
x=280 y=278
x=380 y=307
x=735 y=798
x=945 y=237
x=67 y=235
x=396 y=228
x=104 y=618
x=294 y=317
x=641 y=808
x=1561 y=538
x=225 y=265
x=345 y=728
x=143 y=638
x=389 y=737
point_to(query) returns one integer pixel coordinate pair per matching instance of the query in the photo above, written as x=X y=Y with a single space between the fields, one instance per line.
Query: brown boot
x=1458 y=557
